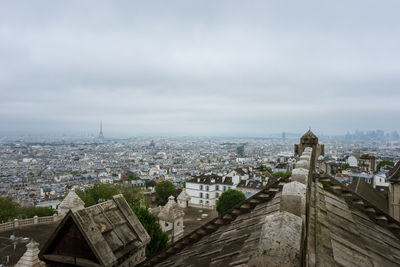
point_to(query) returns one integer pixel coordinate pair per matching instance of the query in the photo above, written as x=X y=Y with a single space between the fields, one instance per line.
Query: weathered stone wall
x=281 y=236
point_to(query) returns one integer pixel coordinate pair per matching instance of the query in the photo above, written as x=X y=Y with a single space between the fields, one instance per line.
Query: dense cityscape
x=39 y=171
x=199 y=133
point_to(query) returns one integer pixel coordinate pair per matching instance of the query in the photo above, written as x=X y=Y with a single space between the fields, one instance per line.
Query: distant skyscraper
x=101 y=136
x=284 y=137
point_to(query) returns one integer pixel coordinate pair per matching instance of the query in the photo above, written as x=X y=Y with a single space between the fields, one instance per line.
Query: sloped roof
x=394 y=174
x=211 y=179
x=72 y=200
x=309 y=137
x=352 y=231
x=367 y=192
x=250 y=184
x=110 y=229
x=342 y=229
x=229 y=238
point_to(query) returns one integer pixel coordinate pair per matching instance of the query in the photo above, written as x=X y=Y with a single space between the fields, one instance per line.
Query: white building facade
x=204 y=190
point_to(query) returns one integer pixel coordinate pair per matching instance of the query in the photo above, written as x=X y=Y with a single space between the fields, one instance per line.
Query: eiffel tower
x=101 y=136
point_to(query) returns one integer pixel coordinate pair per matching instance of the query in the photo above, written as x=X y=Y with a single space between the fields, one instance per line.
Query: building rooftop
x=306 y=219
x=105 y=234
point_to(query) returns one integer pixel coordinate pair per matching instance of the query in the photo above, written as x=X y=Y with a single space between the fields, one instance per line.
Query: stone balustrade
x=30 y=221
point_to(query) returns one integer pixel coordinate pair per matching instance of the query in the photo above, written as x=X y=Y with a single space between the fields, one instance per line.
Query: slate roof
x=250 y=184
x=111 y=230
x=211 y=179
x=342 y=228
x=309 y=137
x=228 y=239
x=367 y=192
x=351 y=230
x=394 y=174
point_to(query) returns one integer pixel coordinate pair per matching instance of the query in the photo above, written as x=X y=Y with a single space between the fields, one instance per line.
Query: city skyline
x=199 y=69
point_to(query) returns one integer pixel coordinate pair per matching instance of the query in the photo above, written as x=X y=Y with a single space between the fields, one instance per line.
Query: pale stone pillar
x=30 y=257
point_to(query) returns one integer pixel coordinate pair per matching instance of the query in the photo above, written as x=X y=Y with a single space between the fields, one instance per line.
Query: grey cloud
x=206 y=67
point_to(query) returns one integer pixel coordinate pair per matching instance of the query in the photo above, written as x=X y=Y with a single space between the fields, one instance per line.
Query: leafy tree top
x=384 y=163
x=281 y=174
x=228 y=199
x=164 y=189
x=9 y=209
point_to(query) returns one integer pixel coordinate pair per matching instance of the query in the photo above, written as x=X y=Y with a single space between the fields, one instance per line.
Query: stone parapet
x=300 y=175
x=282 y=232
x=280 y=241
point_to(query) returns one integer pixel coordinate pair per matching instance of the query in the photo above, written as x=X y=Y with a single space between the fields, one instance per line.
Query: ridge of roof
x=368 y=193
x=104 y=252
x=309 y=134
x=394 y=173
x=265 y=195
x=354 y=199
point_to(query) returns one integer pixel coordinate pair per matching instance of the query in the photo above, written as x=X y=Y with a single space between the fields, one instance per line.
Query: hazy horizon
x=207 y=68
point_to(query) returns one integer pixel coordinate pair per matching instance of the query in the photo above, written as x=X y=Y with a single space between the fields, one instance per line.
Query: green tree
x=264 y=168
x=134 y=196
x=159 y=239
x=367 y=156
x=384 y=163
x=164 y=189
x=281 y=174
x=132 y=176
x=29 y=212
x=150 y=183
x=228 y=199
x=8 y=209
x=97 y=194
x=345 y=166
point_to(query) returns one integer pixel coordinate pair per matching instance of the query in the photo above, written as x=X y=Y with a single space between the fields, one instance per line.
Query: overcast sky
x=233 y=68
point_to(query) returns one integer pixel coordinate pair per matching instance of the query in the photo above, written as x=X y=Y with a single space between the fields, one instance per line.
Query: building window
x=216 y=187
x=201 y=201
x=201 y=187
x=207 y=188
x=166 y=224
x=216 y=195
x=224 y=188
x=207 y=196
x=207 y=202
x=201 y=195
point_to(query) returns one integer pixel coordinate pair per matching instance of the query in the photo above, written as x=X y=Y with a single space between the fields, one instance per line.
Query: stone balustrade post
x=35 y=220
x=16 y=223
